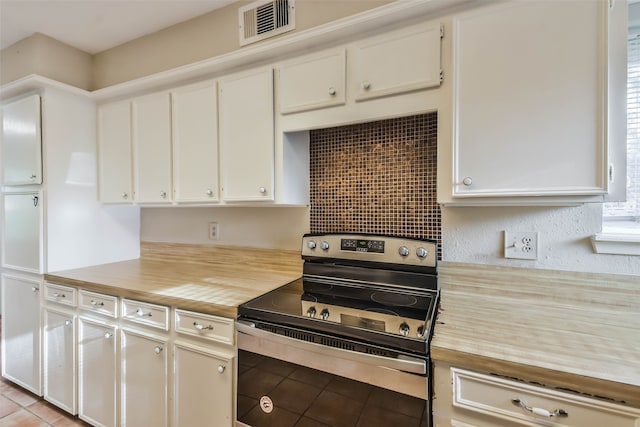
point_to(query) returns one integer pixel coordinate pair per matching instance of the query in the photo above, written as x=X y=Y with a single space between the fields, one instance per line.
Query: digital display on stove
x=362 y=245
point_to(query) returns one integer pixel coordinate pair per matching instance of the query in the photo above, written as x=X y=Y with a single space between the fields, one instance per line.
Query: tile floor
x=20 y=408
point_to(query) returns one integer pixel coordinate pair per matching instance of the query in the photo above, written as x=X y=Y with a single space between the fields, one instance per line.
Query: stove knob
x=404 y=329
x=420 y=332
x=324 y=314
x=403 y=251
x=311 y=312
x=421 y=252
x=311 y=244
x=324 y=245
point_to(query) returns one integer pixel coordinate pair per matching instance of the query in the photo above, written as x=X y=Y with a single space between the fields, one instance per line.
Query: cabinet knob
x=262 y=190
x=68 y=322
x=34 y=289
x=33 y=176
x=96 y=303
x=108 y=335
x=125 y=196
x=221 y=369
x=366 y=85
x=163 y=194
x=157 y=349
x=209 y=192
x=57 y=295
x=332 y=91
x=467 y=181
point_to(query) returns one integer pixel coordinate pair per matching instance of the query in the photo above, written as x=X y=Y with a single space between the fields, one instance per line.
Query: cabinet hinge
x=611 y=175
x=441 y=76
x=442 y=29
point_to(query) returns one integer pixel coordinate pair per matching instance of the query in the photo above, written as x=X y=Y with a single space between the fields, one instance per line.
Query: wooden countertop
x=578 y=331
x=207 y=279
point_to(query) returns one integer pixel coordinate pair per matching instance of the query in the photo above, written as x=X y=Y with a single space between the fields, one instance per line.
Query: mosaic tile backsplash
x=377 y=177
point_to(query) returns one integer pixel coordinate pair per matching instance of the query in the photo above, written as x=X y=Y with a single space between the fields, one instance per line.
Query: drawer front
x=206 y=326
x=156 y=316
x=106 y=305
x=60 y=294
x=530 y=405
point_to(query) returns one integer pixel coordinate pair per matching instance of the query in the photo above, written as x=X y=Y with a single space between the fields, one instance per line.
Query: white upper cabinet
x=246 y=136
x=530 y=100
x=114 y=152
x=22 y=142
x=151 y=130
x=195 y=142
x=314 y=81
x=396 y=62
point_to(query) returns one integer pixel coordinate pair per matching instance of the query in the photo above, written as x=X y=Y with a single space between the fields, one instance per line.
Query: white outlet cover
x=521 y=244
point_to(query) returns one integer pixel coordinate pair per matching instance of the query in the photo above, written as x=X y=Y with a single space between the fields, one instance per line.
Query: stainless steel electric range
x=348 y=343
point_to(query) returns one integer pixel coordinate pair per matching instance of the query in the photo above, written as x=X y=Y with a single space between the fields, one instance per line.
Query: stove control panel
x=395 y=250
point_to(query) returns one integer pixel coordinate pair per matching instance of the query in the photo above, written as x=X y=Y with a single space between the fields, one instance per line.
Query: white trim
x=617 y=243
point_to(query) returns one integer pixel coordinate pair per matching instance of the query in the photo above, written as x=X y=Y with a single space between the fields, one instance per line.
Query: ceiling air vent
x=263 y=19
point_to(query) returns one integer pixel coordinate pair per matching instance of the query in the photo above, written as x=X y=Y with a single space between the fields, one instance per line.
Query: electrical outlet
x=214 y=231
x=521 y=244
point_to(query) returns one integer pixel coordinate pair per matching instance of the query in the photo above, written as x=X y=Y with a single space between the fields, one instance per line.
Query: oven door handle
x=414 y=365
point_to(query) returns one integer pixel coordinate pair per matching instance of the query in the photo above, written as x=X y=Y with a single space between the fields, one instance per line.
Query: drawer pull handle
x=57 y=295
x=539 y=411
x=199 y=327
x=96 y=303
x=141 y=313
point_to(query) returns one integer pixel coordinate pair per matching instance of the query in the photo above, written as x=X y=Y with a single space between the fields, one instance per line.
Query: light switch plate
x=521 y=244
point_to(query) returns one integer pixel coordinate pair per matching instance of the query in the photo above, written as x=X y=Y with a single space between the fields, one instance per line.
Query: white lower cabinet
x=203 y=383
x=59 y=351
x=481 y=400
x=21 y=331
x=145 y=379
x=97 y=372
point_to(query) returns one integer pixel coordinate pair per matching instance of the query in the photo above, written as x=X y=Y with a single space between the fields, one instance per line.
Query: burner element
x=394 y=299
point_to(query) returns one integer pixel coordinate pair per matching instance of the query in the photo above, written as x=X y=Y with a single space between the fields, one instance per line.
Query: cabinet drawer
x=60 y=294
x=156 y=316
x=529 y=405
x=99 y=303
x=206 y=326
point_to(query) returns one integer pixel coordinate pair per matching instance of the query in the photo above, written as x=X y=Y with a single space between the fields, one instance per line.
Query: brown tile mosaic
x=377 y=177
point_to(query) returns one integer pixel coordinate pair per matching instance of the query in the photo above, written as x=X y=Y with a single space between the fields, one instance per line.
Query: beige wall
x=204 y=37
x=40 y=54
x=200 y=38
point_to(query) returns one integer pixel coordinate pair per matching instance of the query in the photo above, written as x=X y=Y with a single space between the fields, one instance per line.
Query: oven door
x=283 y=381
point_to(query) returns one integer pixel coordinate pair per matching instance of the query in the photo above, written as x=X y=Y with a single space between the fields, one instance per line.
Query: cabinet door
x=144 y=379
x=315 y=81
x=396 y=62
x=22 y=231
x=97 y=372
x=152 y=148
x=530 y=109
x=246 y=136
x=22 y=142
x=59 y=352
x=114 y=152
x=203 y=387
x=195 y=142
x=21 y=332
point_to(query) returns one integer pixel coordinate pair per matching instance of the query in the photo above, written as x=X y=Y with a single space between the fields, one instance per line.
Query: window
x=630 y=210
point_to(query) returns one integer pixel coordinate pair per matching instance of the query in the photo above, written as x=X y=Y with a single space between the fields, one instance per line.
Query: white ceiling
x=95 y=25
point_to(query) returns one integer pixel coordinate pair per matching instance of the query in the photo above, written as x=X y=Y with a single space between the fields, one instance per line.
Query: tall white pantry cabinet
x=50 y=215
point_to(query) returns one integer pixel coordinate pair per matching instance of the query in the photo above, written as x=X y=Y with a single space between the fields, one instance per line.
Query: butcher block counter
x=565 y=330
x=207 y=279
